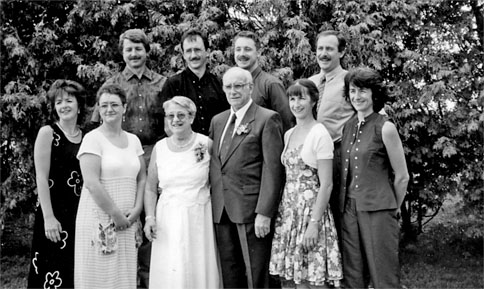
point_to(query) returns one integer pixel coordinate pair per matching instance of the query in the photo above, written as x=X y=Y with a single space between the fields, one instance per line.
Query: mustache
x=195 y=58
x=324 y=58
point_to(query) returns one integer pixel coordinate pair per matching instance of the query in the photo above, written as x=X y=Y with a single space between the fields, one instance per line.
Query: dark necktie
x=224 y=149
x=321 y=90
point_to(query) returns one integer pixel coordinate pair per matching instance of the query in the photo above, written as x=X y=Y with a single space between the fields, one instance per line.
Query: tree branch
x=479 y=21
x=431 y=217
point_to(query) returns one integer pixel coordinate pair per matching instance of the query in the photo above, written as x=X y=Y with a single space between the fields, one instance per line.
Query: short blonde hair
x=182 y=101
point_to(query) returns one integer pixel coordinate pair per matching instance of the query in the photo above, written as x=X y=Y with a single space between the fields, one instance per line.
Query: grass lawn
x=441 y=258
x=16 y=238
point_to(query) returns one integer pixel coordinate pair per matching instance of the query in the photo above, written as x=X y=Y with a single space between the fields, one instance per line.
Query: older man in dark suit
x=246 y=176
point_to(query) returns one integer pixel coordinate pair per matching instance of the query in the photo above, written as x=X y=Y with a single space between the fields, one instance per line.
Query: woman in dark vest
x=374 y=180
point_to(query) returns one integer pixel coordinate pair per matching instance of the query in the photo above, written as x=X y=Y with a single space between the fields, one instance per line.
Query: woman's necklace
x=76 y=134
x=182 y=145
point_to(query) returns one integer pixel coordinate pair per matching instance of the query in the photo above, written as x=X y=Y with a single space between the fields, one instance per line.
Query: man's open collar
x=128 y=73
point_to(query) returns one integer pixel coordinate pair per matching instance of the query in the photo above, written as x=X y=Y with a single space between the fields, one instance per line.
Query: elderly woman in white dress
x=180 y=223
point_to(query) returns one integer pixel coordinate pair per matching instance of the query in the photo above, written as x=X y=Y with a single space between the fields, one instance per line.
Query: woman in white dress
x=114 y=175
x=179 y=224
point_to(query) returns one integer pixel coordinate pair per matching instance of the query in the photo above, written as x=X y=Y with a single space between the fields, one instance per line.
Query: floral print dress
x=52 y=264
x=322 y=265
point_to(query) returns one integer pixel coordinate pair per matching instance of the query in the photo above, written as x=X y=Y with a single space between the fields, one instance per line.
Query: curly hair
x=70 y=87
x=364 y=77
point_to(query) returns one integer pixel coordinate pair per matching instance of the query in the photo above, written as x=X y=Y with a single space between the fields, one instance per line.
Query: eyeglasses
x=179 y=116
x=235 y=86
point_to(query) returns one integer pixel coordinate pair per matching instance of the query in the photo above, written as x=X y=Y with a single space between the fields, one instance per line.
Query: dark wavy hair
x=111 y=89
x=364 y=77
x=70 y=87
x=305 y=86
x=136 y=36
x=191 y=35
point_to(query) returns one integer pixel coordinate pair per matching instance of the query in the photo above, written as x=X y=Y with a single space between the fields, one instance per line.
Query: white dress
x=184 y=253
x=119 y=170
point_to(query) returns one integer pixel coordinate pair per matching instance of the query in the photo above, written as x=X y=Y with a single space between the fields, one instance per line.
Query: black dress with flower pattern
x=52 y=264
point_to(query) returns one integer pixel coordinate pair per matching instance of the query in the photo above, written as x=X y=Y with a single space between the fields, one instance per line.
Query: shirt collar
x=369 y=117
x=241 y=112
x=128 y=73
x=256 y=72
x=330 y=75
x=192 y=75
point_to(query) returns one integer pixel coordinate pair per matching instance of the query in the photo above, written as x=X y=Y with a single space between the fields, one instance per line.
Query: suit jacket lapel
x=238 y=138
x=217 y=139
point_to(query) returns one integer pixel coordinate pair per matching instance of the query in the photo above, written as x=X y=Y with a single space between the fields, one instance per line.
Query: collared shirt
x=144 y=111
x=269 y=92
x=334 y=111
x=206 y=93
x=239 y=117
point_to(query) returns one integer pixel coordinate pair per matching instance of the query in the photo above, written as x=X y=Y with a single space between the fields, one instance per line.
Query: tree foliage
x=429 y=51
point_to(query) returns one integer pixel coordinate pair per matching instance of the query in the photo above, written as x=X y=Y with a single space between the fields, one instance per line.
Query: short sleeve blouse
x=115 y=161
x=318 y=145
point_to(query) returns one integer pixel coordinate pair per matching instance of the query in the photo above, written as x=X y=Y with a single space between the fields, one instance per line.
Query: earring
x=124 y=118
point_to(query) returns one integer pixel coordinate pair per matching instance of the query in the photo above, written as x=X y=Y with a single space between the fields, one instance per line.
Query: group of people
x=193 y=182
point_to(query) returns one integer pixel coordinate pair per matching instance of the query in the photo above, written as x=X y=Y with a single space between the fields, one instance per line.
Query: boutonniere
x=200 y=151
x=243 y=128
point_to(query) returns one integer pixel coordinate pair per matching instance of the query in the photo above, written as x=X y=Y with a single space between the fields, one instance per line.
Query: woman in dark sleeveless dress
x=59 y=182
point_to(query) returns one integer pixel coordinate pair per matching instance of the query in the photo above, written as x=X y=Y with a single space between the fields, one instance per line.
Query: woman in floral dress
x=305 y=245
x=59 y=183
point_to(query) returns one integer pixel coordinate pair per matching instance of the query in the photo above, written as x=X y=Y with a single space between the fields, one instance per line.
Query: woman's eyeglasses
x=179 y=116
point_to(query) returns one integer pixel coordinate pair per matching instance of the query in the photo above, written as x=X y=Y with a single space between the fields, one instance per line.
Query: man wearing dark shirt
x=144 y=110
x=196 y=82
x=268 y=91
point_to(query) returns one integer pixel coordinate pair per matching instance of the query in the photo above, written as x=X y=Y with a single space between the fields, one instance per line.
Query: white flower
x=52 y=280
x=243 y=128
x=200 y=151
x=307 y=173
x=308 y=194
